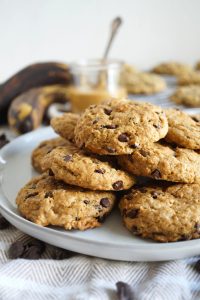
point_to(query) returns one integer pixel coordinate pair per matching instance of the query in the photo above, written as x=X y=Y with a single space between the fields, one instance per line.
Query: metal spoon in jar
x=116 y=23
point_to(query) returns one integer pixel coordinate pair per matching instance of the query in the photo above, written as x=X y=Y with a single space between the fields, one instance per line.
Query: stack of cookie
x=82 y=174
x=76 y=189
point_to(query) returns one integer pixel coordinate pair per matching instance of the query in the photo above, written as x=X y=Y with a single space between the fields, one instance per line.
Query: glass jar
x=95 y=81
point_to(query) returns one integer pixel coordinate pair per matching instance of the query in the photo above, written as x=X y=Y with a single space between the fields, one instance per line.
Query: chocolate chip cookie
x=183 y=129
x=46 y=201
x=187 y=95
x=172 y=68
x=76 y=167
x=144 y=83
x=120 y=129
x=163 y=162
x=43 y=149
x=65 y=125
x=163 y=214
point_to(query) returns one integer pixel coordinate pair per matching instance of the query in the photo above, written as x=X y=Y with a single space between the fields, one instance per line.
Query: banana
x=26 y=111
x=35 y=75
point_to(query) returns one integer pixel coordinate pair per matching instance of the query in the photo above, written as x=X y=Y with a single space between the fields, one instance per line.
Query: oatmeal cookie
x=77 y=167
x=120 y=129
x=163 y=214
x=184 y=131
x=47 y=201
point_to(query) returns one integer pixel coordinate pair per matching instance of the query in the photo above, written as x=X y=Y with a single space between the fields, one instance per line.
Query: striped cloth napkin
x=85 y=278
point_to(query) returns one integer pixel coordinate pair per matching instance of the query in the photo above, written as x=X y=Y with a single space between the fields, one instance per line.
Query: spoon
x=116 y=23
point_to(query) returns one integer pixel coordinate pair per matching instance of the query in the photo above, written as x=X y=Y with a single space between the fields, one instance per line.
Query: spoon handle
x=114 y=28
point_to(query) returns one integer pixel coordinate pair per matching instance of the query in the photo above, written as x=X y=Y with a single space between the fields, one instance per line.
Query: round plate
x=110 y=241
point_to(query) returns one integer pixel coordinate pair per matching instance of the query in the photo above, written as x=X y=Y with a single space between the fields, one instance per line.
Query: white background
x=66 y=30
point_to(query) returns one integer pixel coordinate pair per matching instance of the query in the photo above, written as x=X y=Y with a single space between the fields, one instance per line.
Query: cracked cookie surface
x=118 y=128
x=77 y=167
x=43 y=149
x=183 y=129
x=163 y=162
x=47 y=201
x=163 y=214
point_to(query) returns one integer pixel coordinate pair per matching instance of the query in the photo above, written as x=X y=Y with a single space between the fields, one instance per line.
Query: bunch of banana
x=25 y=97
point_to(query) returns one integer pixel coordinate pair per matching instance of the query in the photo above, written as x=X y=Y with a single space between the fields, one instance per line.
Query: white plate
x=111 y=241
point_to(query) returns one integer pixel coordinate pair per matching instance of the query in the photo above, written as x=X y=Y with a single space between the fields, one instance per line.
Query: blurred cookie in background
x=171 y=68
x=141 y=82
x=187 y=95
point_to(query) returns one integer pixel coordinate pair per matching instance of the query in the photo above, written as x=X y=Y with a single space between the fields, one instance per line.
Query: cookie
x=46 y=201
x=187 y=95
x=43 y=149
x=76 y=167
x=172 y=68
x=183 y=130
x=188 y=78
x=65 y=125
x=162 y=162
x=163 y=214
x=121 y=128
x=144 y=83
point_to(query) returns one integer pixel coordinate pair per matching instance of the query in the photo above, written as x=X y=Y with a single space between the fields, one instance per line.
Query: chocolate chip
x=133 y=213
x=196 y=119
x=60 y=254
x=111 y=126
x=31 y=195
x=95 y=121
x=100 y=171
x=124 y=291
x=109 y=149
x=29 y=250
x=144 y=153
x=4 y=224
x=118 y=185
x=105 y=202
x=51 y=172
x=48 y=194
x=3 y=140
x=156 y=174
x=107 y=111
x=154 y=195
x=49 y=151
x=67 y=157
x=86 y=202
x=135 y=146
x=157 y=126
x=123 y=138
x=16 y=250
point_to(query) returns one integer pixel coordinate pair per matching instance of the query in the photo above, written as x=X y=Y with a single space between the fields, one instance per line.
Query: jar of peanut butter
x=94 y=81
